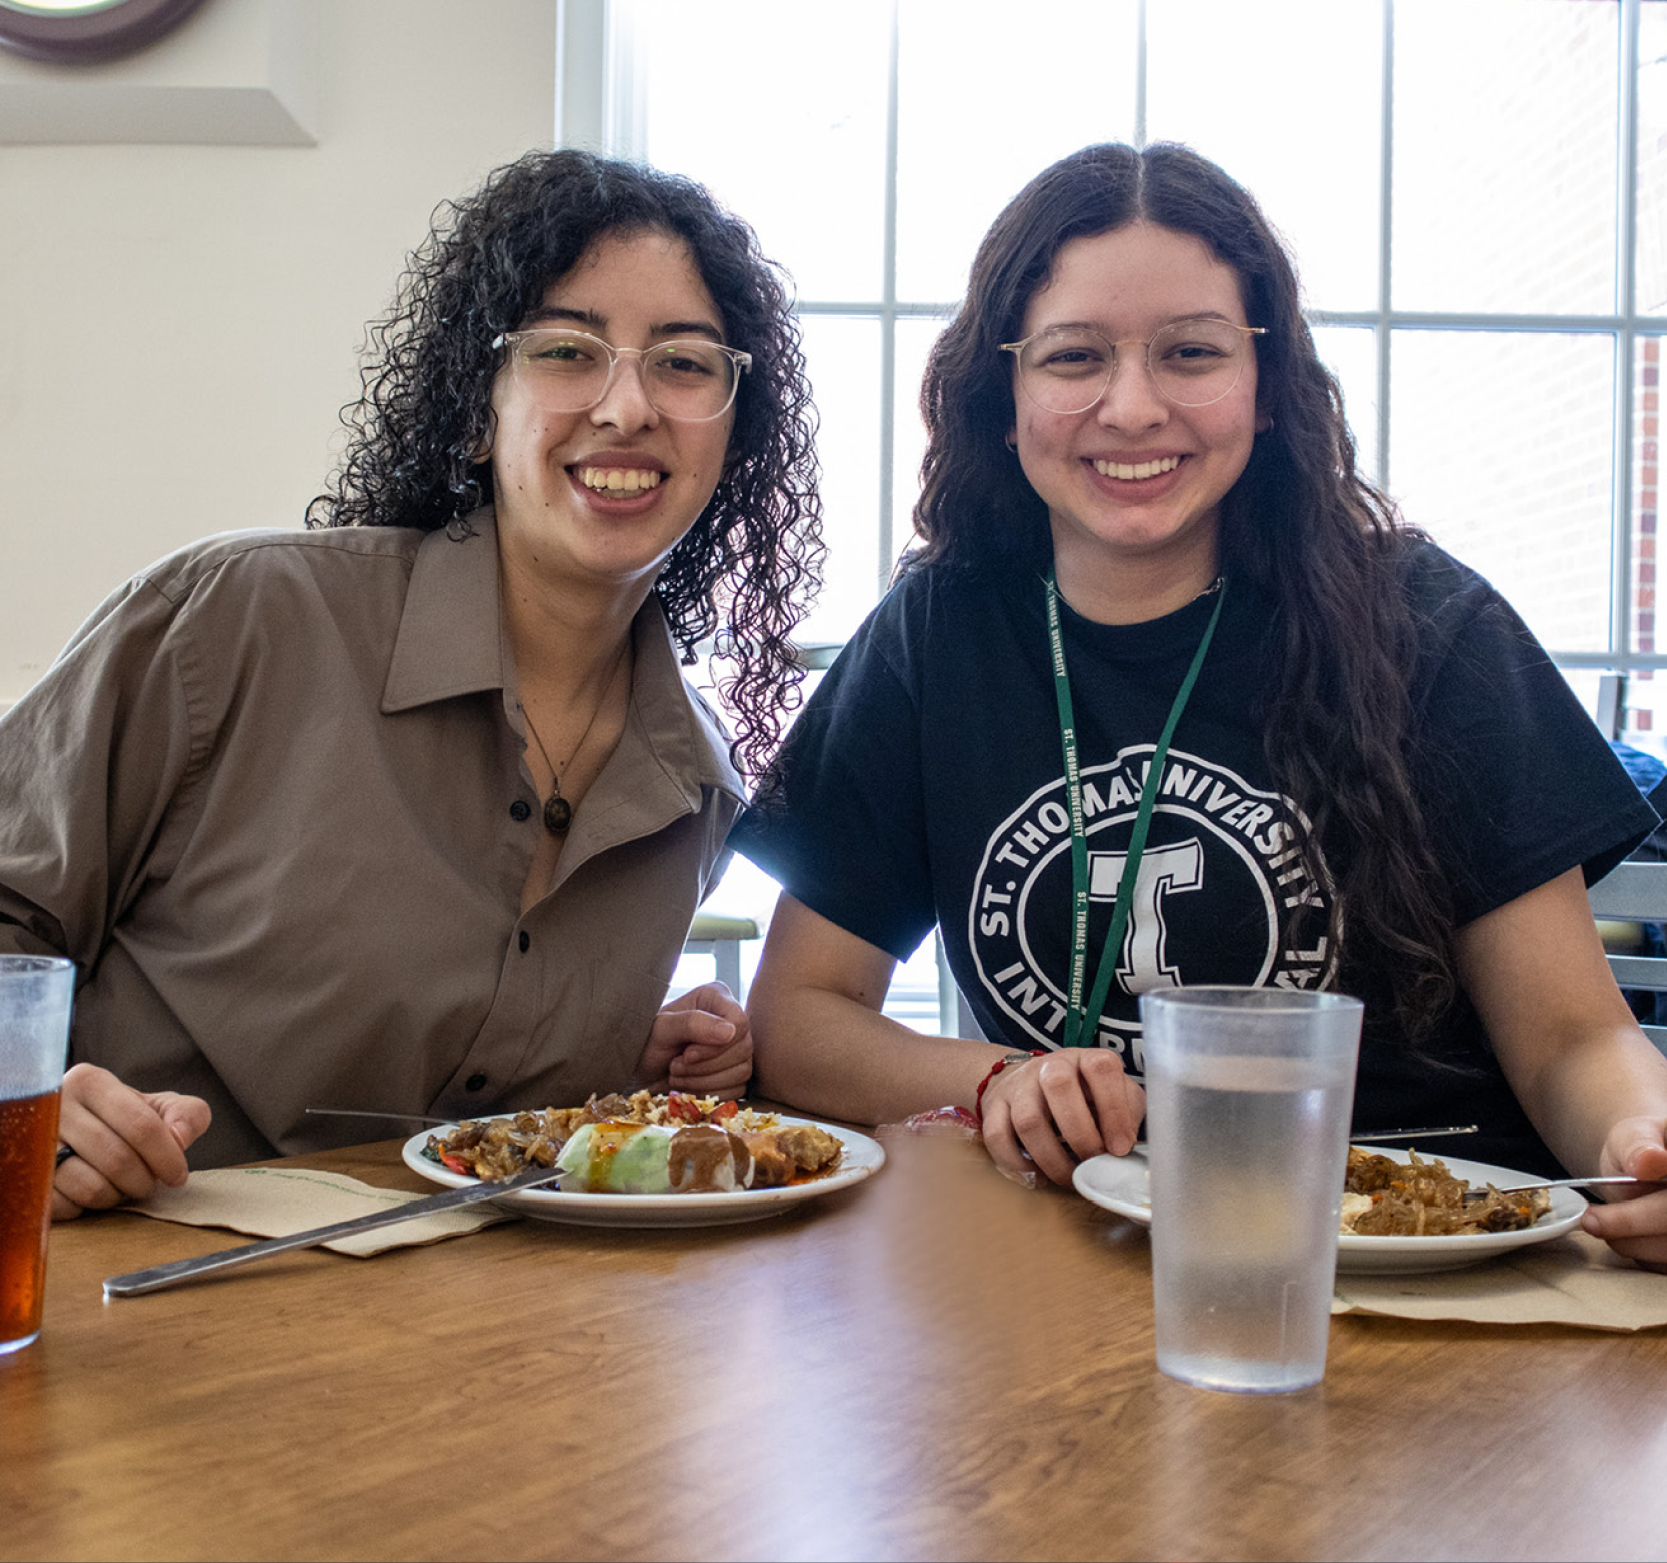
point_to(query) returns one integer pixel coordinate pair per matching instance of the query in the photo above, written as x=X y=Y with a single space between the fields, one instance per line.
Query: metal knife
x=160 y=1276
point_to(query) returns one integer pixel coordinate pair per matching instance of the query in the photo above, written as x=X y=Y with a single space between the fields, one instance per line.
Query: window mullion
x=1140 y=73
x=1386 y=213
x=888 y=321
x=1620 y=607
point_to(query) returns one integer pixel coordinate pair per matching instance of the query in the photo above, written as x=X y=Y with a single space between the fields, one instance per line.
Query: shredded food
x=497 y=1148
x=1416 y=1198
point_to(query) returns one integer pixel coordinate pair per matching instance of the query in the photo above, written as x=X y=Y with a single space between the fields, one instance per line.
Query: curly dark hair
x=1300 y=523
x=424 y=412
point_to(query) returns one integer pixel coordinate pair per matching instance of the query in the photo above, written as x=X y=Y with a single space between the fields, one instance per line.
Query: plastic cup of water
x=1249 y=1093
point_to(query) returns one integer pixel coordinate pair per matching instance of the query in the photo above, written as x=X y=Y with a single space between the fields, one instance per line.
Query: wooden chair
x=1631 y=894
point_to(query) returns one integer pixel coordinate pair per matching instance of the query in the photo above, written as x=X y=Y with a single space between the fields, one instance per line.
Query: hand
x=701 y=1044
x=1060 y=1109
x=1634 y=1223
x=125 y=1141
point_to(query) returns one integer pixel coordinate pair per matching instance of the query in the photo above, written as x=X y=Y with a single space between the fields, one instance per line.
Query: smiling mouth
x=1140 y=469
x=618 y=480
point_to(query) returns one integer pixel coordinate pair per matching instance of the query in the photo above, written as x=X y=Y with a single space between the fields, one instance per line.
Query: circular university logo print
x=1219 y=877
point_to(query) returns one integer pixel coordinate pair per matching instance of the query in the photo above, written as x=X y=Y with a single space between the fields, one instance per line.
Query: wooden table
x=935 y=1364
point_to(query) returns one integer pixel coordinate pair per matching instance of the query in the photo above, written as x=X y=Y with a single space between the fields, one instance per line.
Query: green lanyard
x=1082 y=1021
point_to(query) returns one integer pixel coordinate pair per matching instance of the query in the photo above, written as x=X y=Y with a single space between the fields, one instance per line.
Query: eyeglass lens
x=1192 y=363
x=570 y=371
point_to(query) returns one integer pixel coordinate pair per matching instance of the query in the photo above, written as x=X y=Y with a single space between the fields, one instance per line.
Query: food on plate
x=630 y=1158
x=643 y=1144
x=1416 y=1198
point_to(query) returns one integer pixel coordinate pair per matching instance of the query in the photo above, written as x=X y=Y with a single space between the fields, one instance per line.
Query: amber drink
x=35 y=994
x=1249 y=1093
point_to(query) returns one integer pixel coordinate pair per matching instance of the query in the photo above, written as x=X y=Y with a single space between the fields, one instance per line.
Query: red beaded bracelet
x=995 y=1069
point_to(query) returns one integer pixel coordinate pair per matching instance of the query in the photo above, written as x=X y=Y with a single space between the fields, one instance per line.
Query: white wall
x=179 y=324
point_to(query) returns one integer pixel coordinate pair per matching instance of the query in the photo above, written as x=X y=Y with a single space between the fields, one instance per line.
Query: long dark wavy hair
x=755 y=553
x=1300 y=523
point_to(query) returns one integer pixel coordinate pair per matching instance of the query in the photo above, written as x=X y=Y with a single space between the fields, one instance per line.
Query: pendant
x=558 y=814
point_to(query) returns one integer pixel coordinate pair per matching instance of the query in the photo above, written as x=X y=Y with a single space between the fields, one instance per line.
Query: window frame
x=599 y=104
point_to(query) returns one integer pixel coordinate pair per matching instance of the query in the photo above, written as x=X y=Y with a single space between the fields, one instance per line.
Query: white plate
x=1120 y=1183
x=862 y=1159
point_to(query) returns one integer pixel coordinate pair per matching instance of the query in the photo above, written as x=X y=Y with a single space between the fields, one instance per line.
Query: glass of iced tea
x=35 y=994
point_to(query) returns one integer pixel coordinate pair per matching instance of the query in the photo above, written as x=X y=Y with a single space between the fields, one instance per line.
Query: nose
x=625 y=402
x=1131 y=400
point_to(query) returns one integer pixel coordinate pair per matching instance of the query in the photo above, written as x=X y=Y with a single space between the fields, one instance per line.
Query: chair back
x=1635 y=893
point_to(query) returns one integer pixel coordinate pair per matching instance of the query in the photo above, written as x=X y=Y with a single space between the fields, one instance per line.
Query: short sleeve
x=843 y=828
x=1518 y=784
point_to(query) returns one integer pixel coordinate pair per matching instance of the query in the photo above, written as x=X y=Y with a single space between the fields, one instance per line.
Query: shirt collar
x=684 y=736
x=448 y=640
x=451 y=642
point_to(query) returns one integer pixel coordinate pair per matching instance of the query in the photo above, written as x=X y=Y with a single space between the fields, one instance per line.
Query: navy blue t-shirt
x=924 y=784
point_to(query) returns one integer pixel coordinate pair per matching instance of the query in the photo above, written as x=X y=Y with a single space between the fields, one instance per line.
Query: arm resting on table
x=1585 y=1074
x=824 y=1046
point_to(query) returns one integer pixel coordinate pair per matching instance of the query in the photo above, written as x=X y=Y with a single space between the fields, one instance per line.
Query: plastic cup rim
x=1266 y=1001
x=33 y=965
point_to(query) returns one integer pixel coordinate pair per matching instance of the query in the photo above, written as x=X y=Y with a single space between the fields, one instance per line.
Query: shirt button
x=475 y=1083
x=520 y=811
x=523 y=941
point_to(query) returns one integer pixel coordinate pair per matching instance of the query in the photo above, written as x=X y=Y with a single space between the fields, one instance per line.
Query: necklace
x=1082 y=1019
x=558 y=812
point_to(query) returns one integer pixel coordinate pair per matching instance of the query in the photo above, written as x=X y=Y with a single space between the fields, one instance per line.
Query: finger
x=700 y=1068
x=714 y=997
x=1134 y=1094
x=1648 y=1161
x=1068 y=1104
x=1118 y=1102
x=678 y=1029
x=1644 y=1216
x=119 y=1135
x=725 y=1084
x=699 y=1060
x=85 y=1187
x=187 y=1117
x=671 y=1034
x=92 y=1094
x=63 y=1207
x=1033 y=1125
x=1634 y=1149
x=1003 y=1144
x=1650 y=1253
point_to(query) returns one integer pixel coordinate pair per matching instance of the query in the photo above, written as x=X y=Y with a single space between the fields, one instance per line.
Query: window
x=1483 y=249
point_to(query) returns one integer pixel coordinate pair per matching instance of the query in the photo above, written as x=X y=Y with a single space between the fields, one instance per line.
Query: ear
x=1013 y=438
x=1264 y=422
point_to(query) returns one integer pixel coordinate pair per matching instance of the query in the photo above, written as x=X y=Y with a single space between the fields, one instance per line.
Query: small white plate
x=1120 y=1184
x=863 y=1157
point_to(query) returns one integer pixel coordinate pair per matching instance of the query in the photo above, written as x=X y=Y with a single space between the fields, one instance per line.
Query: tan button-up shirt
x=272 y=802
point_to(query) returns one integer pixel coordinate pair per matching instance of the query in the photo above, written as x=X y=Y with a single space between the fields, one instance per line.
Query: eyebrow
x=1095 y=325
x=550 y=314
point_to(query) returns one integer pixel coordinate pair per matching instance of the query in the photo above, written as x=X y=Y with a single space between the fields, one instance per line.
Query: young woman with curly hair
x=411 y=810
x=1148 y=562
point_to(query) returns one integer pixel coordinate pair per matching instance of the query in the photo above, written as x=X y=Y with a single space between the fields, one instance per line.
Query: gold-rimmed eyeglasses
x=570 y=371
x=1192 y=363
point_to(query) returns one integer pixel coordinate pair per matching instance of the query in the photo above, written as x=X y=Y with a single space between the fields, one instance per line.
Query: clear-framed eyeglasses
x=1192 y=363
x=570 y=371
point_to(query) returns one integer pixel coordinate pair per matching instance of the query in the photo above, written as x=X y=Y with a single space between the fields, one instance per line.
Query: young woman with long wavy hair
x=1307 y=748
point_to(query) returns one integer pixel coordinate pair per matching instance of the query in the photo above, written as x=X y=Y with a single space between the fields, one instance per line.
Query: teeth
x=619 y=480
x=1141 y=469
